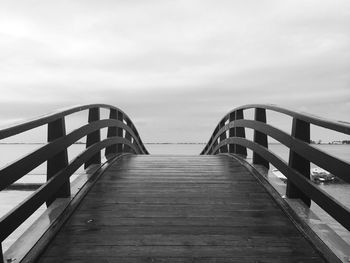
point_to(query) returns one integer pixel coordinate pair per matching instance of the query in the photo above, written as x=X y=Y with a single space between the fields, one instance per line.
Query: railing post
x=301 y=131
x=231 y=147
x=137 y=136
x=120 y=117
x=215 y=142
x=260 y=138
x=223 y=149
x=57 y=129
x=1 y=254
x=209 y=148
x=112 y=132
x=240 y=132
x=128 y=136
x=94 y=137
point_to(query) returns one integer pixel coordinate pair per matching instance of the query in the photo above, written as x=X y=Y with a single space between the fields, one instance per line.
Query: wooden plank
x=141 y=199
x=166 y=209
x=248 y=219
x=186 y=239
x=197 y=209
x=182 y=259
x=177 y=251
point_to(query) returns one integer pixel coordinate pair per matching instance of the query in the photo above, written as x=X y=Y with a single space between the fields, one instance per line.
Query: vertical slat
x=120 y=132
x=215 y=142
x=137 y=136
x=232 y=133
x=301 y=131
x=207 y=147
x=94 y=137
x=223 y=149
x=142 y=149
x=1 y=254
x=260 y=138
x=240 y=132
x=128 y=136
x=203 y=151
x=112 y=132
x=57 y=129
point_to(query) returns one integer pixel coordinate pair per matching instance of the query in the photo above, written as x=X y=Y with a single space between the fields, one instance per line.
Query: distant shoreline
x=180 y=143
x=33 y=143
x=175 y=143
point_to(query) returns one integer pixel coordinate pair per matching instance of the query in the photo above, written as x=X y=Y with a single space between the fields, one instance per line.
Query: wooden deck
x=179 y=209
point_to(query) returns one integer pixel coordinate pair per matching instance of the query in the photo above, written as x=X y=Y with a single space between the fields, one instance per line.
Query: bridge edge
x=59 y=220
x=340 y=251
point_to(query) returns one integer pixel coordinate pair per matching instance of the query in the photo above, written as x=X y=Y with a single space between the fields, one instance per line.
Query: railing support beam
x=240 y=132
x=215 y=142
x=232 y=133
x=120 y=117
x=112 y=132
x=57 y=129
x=128 y=137
x=260 y=138
x=94 y=137
x=301 y=131
x=223 y=149
x=1 y=254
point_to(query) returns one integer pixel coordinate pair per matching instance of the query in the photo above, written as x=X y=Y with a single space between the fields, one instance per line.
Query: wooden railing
x=229 y=137
x=122 y=137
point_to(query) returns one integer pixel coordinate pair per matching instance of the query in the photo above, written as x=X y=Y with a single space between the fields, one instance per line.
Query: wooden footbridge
x=215 y=207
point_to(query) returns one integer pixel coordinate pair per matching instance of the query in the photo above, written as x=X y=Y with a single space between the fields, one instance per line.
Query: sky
x=175 y=67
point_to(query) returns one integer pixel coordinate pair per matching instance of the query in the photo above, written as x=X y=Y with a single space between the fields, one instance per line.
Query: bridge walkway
x=148 y=208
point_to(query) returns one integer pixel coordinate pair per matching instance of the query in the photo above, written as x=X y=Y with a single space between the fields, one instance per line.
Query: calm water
x=10 y=152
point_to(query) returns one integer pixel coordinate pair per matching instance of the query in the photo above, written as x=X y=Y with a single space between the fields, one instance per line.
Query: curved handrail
x=47 y=118
x=19 y=168
x=122 y=137
x=297 y=170
x=340 y=126
x=21 y=212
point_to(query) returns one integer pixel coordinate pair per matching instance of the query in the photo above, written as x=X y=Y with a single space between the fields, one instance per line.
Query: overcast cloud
x=175 y=67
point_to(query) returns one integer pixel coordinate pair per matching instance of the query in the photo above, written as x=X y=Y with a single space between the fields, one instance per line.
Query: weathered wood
x=94 y=137
x=214 y=140
x=112 y=132
x=340 y=126
x=38 y=235
x=180 y=251
x=57 y=129
x=149 y=259
x=126 y=217
x=240 y=132
x=128 y=136
x=332 y=164
x=325 y=240
x=43 y=120
x=301 y=131
x=224 y=148
x=23 y=210
x=338 y=210
x=17 y=169
x=130 y=239
x=120 y=117
x=1 y=254
x=260 y=138
x=55 y=154
x=232 y=132
x=301 y=153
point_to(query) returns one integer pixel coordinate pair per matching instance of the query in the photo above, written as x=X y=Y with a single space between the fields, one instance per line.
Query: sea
x=13 y=151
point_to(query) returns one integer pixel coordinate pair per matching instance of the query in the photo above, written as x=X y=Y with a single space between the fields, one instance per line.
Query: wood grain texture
x=179 y=209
